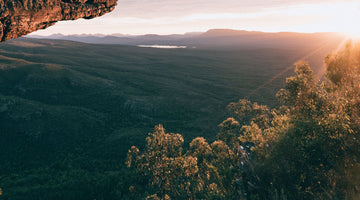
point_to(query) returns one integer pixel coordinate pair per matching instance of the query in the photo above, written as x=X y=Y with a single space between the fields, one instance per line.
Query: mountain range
x=214 y=38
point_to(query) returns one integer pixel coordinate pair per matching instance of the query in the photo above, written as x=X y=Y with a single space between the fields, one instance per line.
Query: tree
x=305 y=149
x=203 y=172
x=168 y=171
x=309 y=147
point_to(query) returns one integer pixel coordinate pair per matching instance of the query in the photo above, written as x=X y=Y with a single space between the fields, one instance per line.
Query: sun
x=342 y=17
x=351 y=30
x=349 y=21
x=353 y=34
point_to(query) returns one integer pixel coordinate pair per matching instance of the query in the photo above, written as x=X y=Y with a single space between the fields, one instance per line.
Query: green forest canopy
x=308 y=148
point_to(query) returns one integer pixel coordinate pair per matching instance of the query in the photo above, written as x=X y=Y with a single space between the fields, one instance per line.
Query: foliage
x=305 y=149
x=203 y=172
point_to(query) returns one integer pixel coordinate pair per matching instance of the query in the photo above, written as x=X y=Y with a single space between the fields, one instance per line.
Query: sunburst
x=349 y=23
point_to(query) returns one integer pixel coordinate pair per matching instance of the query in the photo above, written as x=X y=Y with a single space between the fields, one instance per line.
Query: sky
x=137 y=17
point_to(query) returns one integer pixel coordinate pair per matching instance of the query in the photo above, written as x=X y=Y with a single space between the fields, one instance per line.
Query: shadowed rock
x=21 y=17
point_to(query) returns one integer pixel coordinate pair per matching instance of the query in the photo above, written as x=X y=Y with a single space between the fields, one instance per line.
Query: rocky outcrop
x=21 y=17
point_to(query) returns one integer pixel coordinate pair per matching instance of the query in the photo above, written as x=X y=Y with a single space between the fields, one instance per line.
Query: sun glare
x=348 y=22
x=355 y=35
x=351 y=29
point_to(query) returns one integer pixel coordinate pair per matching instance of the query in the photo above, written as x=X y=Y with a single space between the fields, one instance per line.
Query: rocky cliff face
x=21 y=17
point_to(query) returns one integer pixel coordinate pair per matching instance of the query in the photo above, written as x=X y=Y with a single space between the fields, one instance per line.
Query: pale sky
x=180 y=16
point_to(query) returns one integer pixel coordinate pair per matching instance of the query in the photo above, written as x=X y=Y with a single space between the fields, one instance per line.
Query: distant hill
x=224 y=39
x=122 y=39
x=229 y=33
x=215 y=38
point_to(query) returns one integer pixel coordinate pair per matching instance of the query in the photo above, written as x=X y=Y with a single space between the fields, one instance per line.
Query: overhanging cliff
x=21 y=17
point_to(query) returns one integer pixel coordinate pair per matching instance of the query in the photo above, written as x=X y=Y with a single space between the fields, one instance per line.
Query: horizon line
x=188 y=32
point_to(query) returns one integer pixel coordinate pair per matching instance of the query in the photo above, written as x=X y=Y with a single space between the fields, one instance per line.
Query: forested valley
x=75 y=123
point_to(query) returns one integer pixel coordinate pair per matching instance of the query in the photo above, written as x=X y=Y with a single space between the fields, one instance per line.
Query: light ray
x=321 y=46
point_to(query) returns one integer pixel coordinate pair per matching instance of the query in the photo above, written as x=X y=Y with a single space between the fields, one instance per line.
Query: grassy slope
x=70 y=110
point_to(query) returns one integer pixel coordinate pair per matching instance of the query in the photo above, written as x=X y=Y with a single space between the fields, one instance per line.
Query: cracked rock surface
x=21 y=17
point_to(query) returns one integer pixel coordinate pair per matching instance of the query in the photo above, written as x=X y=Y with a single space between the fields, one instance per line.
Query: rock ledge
x=21 y=17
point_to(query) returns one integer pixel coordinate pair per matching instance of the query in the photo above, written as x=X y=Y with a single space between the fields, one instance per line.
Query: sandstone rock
x=21 y=17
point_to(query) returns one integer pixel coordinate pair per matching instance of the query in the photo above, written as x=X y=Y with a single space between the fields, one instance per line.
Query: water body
x=163 y=46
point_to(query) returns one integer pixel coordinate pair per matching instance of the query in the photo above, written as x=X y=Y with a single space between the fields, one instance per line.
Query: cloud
x=179 y=16
x=176 y=8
